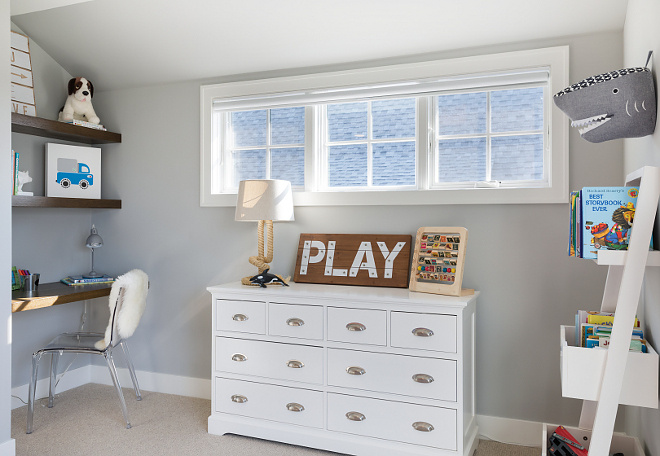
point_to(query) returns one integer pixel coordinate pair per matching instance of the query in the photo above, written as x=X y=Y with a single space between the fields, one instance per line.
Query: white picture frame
x=73 y=171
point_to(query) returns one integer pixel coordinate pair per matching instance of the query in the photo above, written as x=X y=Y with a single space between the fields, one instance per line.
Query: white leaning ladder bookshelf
x=621 y=295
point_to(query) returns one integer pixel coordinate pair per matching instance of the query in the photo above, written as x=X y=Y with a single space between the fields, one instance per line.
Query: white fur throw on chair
x=136 y=285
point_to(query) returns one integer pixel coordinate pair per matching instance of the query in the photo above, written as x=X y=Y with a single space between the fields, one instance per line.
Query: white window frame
x=555 y=59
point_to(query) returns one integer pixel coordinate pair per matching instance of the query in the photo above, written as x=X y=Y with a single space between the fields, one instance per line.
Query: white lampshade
x=264 y=199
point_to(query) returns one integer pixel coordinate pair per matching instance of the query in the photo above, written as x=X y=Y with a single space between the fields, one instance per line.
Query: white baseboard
x=508 y=430
x=159 y=383
x=149 y=381
x=72 y=379
x=8 y=448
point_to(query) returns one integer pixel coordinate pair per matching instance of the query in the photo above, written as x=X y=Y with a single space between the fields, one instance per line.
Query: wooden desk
x=52 y=294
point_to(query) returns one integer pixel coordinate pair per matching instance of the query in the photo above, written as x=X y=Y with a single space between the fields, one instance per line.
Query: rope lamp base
x=260 y=261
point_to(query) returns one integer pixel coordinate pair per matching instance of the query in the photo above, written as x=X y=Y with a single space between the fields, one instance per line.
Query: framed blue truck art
x=73 y=171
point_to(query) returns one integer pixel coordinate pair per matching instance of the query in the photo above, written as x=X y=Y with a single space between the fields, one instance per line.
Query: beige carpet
x=87 y=421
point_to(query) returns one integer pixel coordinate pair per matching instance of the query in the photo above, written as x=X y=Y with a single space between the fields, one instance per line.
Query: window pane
x=393 y=118
x=516 y=110
x=347 y=121
x=347 y=165
x=249 y=164
x=287 y=126
x=250 y=128
x=517 y=157
x=394 y=163
x=288 y=164
x=462 y=160
x=462 y=114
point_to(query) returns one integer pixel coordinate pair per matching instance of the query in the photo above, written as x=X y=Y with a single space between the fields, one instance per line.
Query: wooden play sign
x=375 y=260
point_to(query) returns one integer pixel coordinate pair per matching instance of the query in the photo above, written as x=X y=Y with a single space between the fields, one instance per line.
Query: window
x=370 y=144
x=495 y=136
x=475 y=130
x=266 y=144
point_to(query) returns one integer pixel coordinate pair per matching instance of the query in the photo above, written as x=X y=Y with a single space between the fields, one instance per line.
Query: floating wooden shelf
x=44 y=201
x=52 y=294
x=37 y=126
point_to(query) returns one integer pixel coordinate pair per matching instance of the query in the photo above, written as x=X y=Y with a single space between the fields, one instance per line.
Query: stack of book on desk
x=593 y=330
x=80 y=280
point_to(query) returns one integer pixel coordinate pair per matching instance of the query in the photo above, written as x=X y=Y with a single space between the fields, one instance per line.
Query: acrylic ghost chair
x=127 y=300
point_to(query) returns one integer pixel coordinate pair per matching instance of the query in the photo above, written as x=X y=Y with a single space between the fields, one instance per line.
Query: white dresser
x=354 y=370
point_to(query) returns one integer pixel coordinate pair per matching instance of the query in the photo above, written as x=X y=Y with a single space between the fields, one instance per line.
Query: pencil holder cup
x=30 y=282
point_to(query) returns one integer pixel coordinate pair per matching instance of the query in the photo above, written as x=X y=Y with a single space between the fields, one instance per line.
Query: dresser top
x=346 y=292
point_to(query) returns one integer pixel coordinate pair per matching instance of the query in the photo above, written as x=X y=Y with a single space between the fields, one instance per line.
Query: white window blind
x=414 y=88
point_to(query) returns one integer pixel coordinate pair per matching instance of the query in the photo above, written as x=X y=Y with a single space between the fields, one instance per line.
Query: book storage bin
x=629 y=446
x=582 y=373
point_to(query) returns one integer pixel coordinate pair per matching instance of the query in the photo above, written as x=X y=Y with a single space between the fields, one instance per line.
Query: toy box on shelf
x=582 y=373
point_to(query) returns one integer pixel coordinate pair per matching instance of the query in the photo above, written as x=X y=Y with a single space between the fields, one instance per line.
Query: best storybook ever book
x=602 y=218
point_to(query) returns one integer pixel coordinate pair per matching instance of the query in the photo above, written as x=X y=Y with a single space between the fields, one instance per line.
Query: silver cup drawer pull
x=238 y=398
x=421 y=426
x=294 y=407
x=356 y=327
x=355 y=416
x=422 y=378
x=240 y=317
x=355 y=370
x=239 y=357
x=422 y=332
x=295 y=322
x=295 y=364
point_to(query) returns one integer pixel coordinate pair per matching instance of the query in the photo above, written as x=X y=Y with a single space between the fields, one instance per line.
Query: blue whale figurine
x=265 y=278
x=618 y=104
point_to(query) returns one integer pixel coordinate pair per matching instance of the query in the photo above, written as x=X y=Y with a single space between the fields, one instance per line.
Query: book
x=82 y=123
x=15 y=180
x=575 y=239
x=593 y=330
x=72 y=284
x=80 y=280
x=605 y=319
x=606 y=219
x=567 y=437
x=15 y=279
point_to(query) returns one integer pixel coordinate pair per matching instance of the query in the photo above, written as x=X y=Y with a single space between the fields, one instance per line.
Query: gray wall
x=641 y=35
x=48 y=241
x=516 y=256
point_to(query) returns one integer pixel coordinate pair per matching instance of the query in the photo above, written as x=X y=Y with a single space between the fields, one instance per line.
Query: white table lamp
x=264 y=201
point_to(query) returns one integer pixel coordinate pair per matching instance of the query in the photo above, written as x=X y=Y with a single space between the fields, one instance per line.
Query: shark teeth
x=586 y=125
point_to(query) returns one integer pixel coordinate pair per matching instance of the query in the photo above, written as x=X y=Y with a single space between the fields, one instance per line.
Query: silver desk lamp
x=93 y=241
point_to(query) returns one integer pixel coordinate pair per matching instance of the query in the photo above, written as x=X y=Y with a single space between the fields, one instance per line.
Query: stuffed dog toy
x=79 y=102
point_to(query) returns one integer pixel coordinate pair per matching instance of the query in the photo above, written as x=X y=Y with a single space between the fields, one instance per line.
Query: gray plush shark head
x=619 y=104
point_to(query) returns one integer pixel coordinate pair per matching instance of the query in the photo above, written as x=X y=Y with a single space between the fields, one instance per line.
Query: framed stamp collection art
x=439 y=260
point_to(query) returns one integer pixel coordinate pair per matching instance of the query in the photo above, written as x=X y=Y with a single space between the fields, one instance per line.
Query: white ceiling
x=133 y=43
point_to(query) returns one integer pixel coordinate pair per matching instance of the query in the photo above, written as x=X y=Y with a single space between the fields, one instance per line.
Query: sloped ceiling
x=134 y=43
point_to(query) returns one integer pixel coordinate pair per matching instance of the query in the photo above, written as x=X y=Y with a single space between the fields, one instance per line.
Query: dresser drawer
x=423 y=331
x=397 y=374
x=240 y=316
x=360 y=326
x=396 y=421
x=293 y=320
x=300 y=363
x=269 y=402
